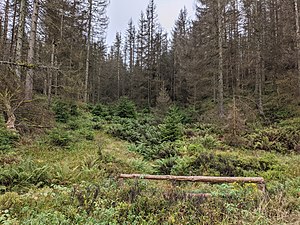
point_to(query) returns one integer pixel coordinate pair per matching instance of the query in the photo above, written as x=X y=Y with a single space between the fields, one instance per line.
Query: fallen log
x=204 y=179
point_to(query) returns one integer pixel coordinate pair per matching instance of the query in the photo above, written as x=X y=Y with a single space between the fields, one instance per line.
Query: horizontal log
x=204 y=179
x=28 y=66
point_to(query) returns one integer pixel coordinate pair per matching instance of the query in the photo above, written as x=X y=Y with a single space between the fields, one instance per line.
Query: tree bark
x=87 y=63
x=5 y=98
x=298 y=41
x=30 y=59
x=50 y=74
x=220 y=69
x=19 y=46
x=12 y=41
x=5 y=29
x=205 y=179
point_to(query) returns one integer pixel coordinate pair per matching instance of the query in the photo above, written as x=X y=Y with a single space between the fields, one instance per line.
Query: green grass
x=46 y=182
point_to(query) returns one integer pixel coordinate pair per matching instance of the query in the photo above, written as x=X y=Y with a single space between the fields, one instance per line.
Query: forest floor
x=69 y=175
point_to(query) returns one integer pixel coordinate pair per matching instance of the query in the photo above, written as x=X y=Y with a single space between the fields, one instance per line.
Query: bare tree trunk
x=20 y=37
x=11 y=51
x=220 y=78
x=118 y=76
x=50 y=74
x=5 y=29
x=298 y=41
x=11 y=118
x=214 y=88
x=87 y=64
x=30 y=59
x=0 y=30
x=149 y=90
x=259 y=64
x=5 y=98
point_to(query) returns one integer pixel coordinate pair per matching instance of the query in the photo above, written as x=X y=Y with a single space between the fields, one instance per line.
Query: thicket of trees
x=242 y=48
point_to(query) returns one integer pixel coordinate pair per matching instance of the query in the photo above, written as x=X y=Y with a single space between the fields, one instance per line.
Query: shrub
x=188 y=115
x=74 y=110
x=164 y=166
x=165 y=150
x=100 y=110
x=90 y=136
x=230 y=165
x=135 y=130
x=125 y=109
x=59 y=138
x=73 y=125
x=277 y=113
x=24 y=174
x=61 y=110
x=209 y=142
x=8 y=139
x=206 y=163
x=203 y=129
x=283 y=140
x=9 y=199
x=171 y=129
x=97 y=126
x=51 y=217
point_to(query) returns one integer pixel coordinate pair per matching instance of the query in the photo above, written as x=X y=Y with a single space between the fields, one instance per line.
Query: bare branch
x=29 y=66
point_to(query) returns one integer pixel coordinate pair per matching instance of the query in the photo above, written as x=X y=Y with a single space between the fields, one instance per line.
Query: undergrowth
x=69 y=174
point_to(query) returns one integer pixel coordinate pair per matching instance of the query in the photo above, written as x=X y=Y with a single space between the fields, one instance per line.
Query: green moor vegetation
x=68 y=175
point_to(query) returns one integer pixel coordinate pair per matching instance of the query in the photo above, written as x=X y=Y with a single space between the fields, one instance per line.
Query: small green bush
x=165 y=166
x=100 y=110
x=90 y=136
x=8 y=139
x=59 y=138
x=230 y=165
x=73 y=125
x=97 y=126
x=62 y=111
x=74 y=110
x=209 y=142
x=172 y=129
x=24 y=174
x=135 y=131
x=9 y=199
x=277 y=113
x=282 y=139
x=125 y=109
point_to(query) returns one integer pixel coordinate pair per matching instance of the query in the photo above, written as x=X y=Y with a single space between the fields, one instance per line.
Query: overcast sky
x=120 y=12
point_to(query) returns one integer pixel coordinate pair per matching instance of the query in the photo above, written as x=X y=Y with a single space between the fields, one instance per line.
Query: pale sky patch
x=120 y=12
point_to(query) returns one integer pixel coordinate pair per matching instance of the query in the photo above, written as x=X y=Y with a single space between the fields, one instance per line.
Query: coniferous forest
x=217 y=97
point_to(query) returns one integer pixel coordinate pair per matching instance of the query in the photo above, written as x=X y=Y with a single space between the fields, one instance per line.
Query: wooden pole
x=205 y=179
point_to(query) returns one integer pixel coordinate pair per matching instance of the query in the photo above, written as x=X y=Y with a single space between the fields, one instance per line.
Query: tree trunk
x=87 y=64
x=19 y=46
x=11 y=118
x=205 y=179
x=30 y=59
x=50 y=74
x=298 y=41
x=5 y=29
x=259 y=64
x=6 y=97
x=220 y=69
x=118 y=75
x=11 y=51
